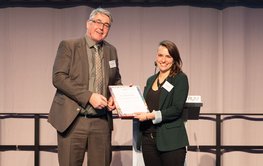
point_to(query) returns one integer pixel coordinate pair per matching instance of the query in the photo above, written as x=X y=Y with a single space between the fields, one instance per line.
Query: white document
x=128 y=100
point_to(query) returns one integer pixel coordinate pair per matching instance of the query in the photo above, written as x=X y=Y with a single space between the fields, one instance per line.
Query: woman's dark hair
x=174 y=52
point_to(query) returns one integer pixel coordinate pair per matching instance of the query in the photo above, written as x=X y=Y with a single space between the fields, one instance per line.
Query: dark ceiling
x=219 y=4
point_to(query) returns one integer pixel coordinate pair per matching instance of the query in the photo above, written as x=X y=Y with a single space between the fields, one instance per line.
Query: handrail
x=217 y=149
x=220 y=149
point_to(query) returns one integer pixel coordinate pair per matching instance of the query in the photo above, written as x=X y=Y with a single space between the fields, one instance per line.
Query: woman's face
x=163 y=59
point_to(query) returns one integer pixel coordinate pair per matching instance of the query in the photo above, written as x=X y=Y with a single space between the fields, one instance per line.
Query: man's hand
x=111 y=104
x=98 y=101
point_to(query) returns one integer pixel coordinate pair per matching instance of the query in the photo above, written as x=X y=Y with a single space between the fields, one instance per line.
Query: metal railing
x=218 y=149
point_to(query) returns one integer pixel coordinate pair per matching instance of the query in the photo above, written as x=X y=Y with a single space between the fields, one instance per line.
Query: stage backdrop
x=221 y=52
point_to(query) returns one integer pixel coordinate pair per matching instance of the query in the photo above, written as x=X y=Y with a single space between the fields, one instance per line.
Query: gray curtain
x=221 y=52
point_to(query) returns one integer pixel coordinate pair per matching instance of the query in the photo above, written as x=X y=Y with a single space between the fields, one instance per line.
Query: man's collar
x=91 y=43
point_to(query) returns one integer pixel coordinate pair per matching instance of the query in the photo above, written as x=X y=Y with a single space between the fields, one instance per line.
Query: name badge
x=112 y=63
x=168 y=86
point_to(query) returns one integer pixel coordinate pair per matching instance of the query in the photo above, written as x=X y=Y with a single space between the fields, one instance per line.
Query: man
x=81 y=109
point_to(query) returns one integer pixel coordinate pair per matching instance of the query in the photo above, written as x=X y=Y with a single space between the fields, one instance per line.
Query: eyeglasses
x=98 y=22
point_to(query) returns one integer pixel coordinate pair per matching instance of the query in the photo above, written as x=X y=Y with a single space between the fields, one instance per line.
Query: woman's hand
x=142 y=116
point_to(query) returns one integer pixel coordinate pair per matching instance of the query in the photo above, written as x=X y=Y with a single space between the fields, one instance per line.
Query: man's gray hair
x=101 y=11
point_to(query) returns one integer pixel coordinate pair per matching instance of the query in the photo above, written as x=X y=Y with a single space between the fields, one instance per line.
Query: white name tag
x=167 y=86
x=112 y=63
x=193 y=99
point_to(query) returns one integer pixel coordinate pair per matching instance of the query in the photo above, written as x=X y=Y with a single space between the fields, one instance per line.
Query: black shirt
x=152 y=99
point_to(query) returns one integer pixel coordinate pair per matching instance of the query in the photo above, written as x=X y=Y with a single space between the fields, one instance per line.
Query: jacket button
x=78 y=109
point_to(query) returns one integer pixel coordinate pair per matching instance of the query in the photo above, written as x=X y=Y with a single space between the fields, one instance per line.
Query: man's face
x=98 y=27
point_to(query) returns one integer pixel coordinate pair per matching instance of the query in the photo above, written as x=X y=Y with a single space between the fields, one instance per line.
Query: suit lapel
x=147 y=88
x=164 y=93
x=82 y=51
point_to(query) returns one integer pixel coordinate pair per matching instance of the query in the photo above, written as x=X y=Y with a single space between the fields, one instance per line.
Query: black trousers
x=153 y=157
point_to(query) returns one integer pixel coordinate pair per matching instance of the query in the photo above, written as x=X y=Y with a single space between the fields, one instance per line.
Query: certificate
x=128 y=100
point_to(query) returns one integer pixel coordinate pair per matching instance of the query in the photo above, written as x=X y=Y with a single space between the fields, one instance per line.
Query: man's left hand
x=111 y=105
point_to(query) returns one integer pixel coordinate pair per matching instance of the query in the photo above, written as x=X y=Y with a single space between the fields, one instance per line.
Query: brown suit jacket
x=71 y=78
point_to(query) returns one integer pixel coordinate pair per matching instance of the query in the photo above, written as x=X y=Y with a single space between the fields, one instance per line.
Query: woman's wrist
x=149 y=116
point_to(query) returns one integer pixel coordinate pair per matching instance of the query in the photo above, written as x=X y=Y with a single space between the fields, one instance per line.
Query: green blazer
x=171 y=133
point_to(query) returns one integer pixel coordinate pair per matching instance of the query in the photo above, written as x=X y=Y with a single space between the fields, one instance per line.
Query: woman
x=164 y=138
